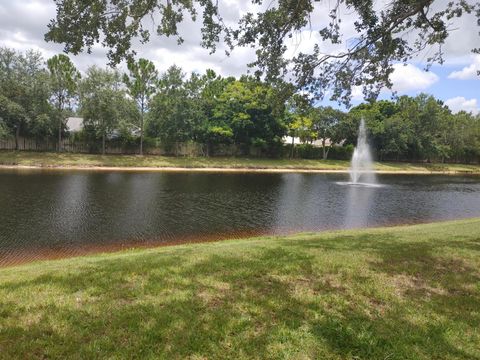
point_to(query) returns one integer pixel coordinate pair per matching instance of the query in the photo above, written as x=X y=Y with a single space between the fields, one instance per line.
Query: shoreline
x=227 y=169
x=39 y=256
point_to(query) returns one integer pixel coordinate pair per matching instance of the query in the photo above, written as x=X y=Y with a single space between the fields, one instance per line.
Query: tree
x=299 y=123
x=212 y=130
x=170 y=116
x=43 y=126
x=24 y=83
x=463 y=136
x=398 y=136
x=428 y=121
x=246 y=106
x=141 y=83
x=375 y=114
x=64 y=78
x=300 y=127
x=195 y=99
x=101 y=98
x=9 y=64
x=396 y=32
x=325 y=125
x=12 y=116
x=212 y=87
x=3 y=129
x=35 y=81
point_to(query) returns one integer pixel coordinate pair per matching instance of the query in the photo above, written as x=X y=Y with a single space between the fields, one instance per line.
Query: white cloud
x=462 y=38
x=468 y=72
x=357 y=93
x=459 y=103
x=405 y=78
x=410 y=78
x=24 y=23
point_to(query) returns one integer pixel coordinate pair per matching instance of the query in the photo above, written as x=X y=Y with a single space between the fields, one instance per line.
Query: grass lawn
x=390 y=293
x=86 y=160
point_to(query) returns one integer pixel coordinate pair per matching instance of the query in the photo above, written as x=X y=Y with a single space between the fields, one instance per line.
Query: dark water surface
x=45 y=214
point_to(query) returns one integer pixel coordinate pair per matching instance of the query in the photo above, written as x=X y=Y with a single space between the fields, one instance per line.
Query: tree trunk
x=324 y=150
x=293 y=147
x=60 y=132
x=328 y=150
x=141 y=132
x=17 y=136
x=103 y=144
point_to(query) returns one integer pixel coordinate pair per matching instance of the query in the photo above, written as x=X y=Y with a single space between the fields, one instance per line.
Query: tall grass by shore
x=392 y=293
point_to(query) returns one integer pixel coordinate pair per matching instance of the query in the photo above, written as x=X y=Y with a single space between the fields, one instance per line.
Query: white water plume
x=361 y=168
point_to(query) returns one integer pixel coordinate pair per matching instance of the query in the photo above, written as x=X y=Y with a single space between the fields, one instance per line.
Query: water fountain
x=361 y=168
x=362 y=179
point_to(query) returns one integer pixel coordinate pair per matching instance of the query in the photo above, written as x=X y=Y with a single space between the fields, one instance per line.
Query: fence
x=71 y=145
x=193 y=149
x=27 y=144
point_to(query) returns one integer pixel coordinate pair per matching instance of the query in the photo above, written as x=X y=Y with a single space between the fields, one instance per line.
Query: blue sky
x=447 y=88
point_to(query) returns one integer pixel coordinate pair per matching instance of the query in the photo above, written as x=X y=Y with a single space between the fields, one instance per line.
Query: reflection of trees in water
x=308 y=202
x=210 y=204
x=69 y=210
x=289 y=203
x=55 y=210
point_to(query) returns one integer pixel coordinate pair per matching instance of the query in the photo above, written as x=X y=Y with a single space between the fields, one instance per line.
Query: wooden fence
x=175 y=149
x=192 y=149
x=28 y=144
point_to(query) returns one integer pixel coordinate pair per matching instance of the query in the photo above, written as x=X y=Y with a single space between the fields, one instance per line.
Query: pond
x=49 y=214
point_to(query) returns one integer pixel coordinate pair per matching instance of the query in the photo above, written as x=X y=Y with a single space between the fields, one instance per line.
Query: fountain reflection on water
x=362 y=182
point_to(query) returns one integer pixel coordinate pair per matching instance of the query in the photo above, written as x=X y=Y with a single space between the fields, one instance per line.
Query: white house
x=297 y=141
x=74 y=124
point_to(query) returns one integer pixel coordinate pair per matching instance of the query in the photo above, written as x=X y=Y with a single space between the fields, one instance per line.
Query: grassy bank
x=88 y=160
x=391 y=293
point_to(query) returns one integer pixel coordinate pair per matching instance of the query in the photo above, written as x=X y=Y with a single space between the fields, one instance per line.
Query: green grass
x=88 y=160
x=391 y=293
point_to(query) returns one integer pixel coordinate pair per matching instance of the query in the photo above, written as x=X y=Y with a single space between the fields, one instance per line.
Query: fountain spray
x=361 y=167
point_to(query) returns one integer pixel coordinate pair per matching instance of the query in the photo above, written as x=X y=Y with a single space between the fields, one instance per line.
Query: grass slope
x=69 y=159
x=391 y=293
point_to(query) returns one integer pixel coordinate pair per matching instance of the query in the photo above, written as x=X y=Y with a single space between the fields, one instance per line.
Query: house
x=74 y=124
x=297 y=141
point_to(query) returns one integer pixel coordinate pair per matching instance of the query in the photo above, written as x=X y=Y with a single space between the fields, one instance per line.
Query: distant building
x=288 y=140
x=318 y=143
x=297 y=141
x=74 y=124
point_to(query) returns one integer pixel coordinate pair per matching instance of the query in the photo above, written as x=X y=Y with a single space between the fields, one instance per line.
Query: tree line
x=146 y=106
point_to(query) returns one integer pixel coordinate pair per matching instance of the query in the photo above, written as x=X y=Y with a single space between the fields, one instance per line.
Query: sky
x=23 y=24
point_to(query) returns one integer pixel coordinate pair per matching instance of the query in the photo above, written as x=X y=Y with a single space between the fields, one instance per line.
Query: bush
x=3 y=130
x=308 y=151
x=341 y=152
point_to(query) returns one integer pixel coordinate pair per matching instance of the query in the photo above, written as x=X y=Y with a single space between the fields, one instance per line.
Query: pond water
x=48 y=214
